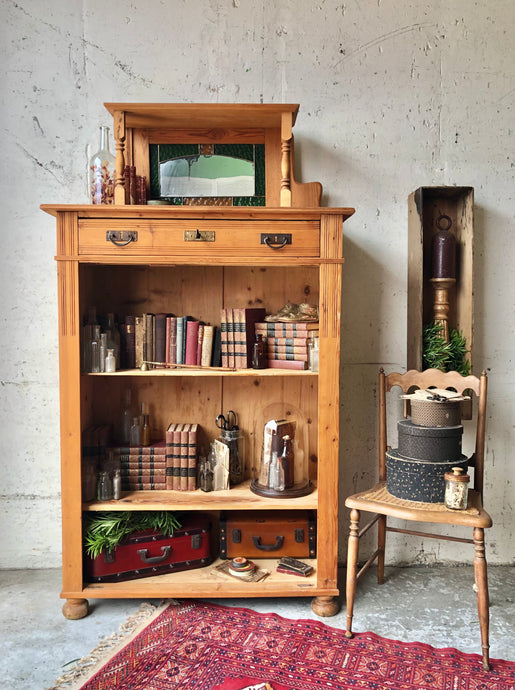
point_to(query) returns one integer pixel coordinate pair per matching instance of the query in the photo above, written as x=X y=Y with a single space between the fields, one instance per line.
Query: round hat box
x=436 y=444
x=435 y=412
x=417 y=480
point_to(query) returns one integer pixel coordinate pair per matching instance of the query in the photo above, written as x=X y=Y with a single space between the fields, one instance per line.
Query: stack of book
x=168 y=339
x=181 y=457
x=142 y=467
x=287 y=343
x=238 y=334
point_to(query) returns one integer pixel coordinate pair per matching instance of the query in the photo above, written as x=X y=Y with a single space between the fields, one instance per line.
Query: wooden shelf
x=207 y=582
x=256 y=373
x=238 y=498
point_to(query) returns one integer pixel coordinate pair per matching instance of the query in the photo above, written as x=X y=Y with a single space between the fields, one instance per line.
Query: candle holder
x=441 y=287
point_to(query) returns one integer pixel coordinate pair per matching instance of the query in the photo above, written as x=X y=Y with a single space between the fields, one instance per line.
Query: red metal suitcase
x=149 y=553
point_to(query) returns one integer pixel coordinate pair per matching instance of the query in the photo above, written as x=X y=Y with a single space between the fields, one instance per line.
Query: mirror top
x=201 y=115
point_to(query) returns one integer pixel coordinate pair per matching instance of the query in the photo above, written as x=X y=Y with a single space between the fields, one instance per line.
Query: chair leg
x=483 y=604
x=381 y=543
x=352 y=564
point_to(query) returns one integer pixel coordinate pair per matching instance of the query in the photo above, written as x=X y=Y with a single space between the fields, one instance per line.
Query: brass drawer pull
x=276 y=241
x=121 y=238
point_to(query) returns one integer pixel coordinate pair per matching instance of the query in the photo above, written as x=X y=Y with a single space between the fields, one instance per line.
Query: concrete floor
x=435 y=605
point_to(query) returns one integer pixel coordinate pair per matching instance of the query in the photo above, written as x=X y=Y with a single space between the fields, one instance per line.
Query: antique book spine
x=172 y=357
x=184 y=457
x=157 y=448
x=177 y=457
x=286 y=364
x=230 y=338
x=200 y=338
x=192 y=328
x=136 y=485
x=180 y=337
x=140 y=339
x=298 y=355
x=169 y=434
x=291 y=342
x=192 y=457
x=216 y=357
x=149 y=338
x=224 y=343
x=160 y=338
x=185 y=320
x=128 y=354
x=151 y=473
x=286 y=330
x=167 y=339
x=239 y=344
x=207 y=346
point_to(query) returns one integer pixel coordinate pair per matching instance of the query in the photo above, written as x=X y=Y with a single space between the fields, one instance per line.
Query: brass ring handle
x=152 y=560
x=268 y=547
x=275 y=246
x=121 y=238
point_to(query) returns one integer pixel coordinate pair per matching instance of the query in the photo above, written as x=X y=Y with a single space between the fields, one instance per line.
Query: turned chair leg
x=483 y=603
x=352 y=564
x=381 y=543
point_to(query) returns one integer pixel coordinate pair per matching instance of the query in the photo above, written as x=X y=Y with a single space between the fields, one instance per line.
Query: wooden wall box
x=425 y=206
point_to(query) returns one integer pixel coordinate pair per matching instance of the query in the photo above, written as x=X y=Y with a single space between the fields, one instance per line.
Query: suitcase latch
x=236 y=536
x=196 y=541
x=299 y=535
x=109 y=557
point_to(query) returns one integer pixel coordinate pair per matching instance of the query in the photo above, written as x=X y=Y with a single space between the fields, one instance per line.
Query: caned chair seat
x=378 y=501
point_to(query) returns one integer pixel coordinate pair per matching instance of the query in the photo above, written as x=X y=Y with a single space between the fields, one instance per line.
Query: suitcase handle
x=143 y=554
x=268 y=547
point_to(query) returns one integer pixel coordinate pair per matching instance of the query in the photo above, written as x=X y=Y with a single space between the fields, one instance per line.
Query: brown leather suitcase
x=149 y=553
x=268 y=534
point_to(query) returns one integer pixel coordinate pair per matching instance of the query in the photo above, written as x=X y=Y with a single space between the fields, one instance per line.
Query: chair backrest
x=438 y=379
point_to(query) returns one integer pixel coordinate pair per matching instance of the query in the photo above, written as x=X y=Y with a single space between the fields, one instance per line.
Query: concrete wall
x=394 y=95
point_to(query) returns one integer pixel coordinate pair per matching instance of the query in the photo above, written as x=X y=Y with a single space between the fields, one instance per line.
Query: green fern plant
x=438 y=354
x=106 y=530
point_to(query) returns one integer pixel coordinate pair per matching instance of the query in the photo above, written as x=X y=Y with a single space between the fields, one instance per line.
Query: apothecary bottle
x=258 y=353
x=102 y=172
x=117 y=484
x=104 y=487
x=456 y=489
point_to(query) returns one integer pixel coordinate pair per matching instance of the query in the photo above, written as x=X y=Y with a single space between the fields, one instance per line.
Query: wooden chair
x=382 y=504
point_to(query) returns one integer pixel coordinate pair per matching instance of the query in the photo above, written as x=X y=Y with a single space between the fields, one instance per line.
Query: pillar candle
x=444 y=255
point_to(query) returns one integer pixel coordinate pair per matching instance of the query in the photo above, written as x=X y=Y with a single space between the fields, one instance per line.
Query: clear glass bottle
x=126 y=417
x=113 y=337
x=117 y=484
x=456 y=489
x=102 y=170
x=87 y=337
x=104 y=487
x=110 y=362
x=135 y=434
x=313 y=352
x=103 y=351
x=94 y=348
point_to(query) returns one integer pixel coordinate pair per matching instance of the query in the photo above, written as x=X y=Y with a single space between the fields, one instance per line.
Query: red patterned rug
x=198 y=646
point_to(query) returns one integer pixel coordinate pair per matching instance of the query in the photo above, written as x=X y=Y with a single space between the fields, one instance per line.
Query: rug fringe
x=85 y=668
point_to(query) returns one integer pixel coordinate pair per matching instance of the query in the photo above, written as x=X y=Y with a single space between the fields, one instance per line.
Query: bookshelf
x=162 y=271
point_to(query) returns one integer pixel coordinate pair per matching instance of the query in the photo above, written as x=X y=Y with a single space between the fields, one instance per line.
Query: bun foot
x=74 y=609
x=325 y=606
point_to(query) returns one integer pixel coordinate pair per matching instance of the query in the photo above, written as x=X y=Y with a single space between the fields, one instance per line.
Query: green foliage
x=438 y=354
x=105 y=530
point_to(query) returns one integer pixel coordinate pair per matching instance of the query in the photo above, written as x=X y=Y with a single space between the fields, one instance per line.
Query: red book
x=191 y=342
x=158 y=448
x=286 y=364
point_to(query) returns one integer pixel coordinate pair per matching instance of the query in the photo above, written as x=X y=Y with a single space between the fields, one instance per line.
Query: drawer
x=217 y=239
